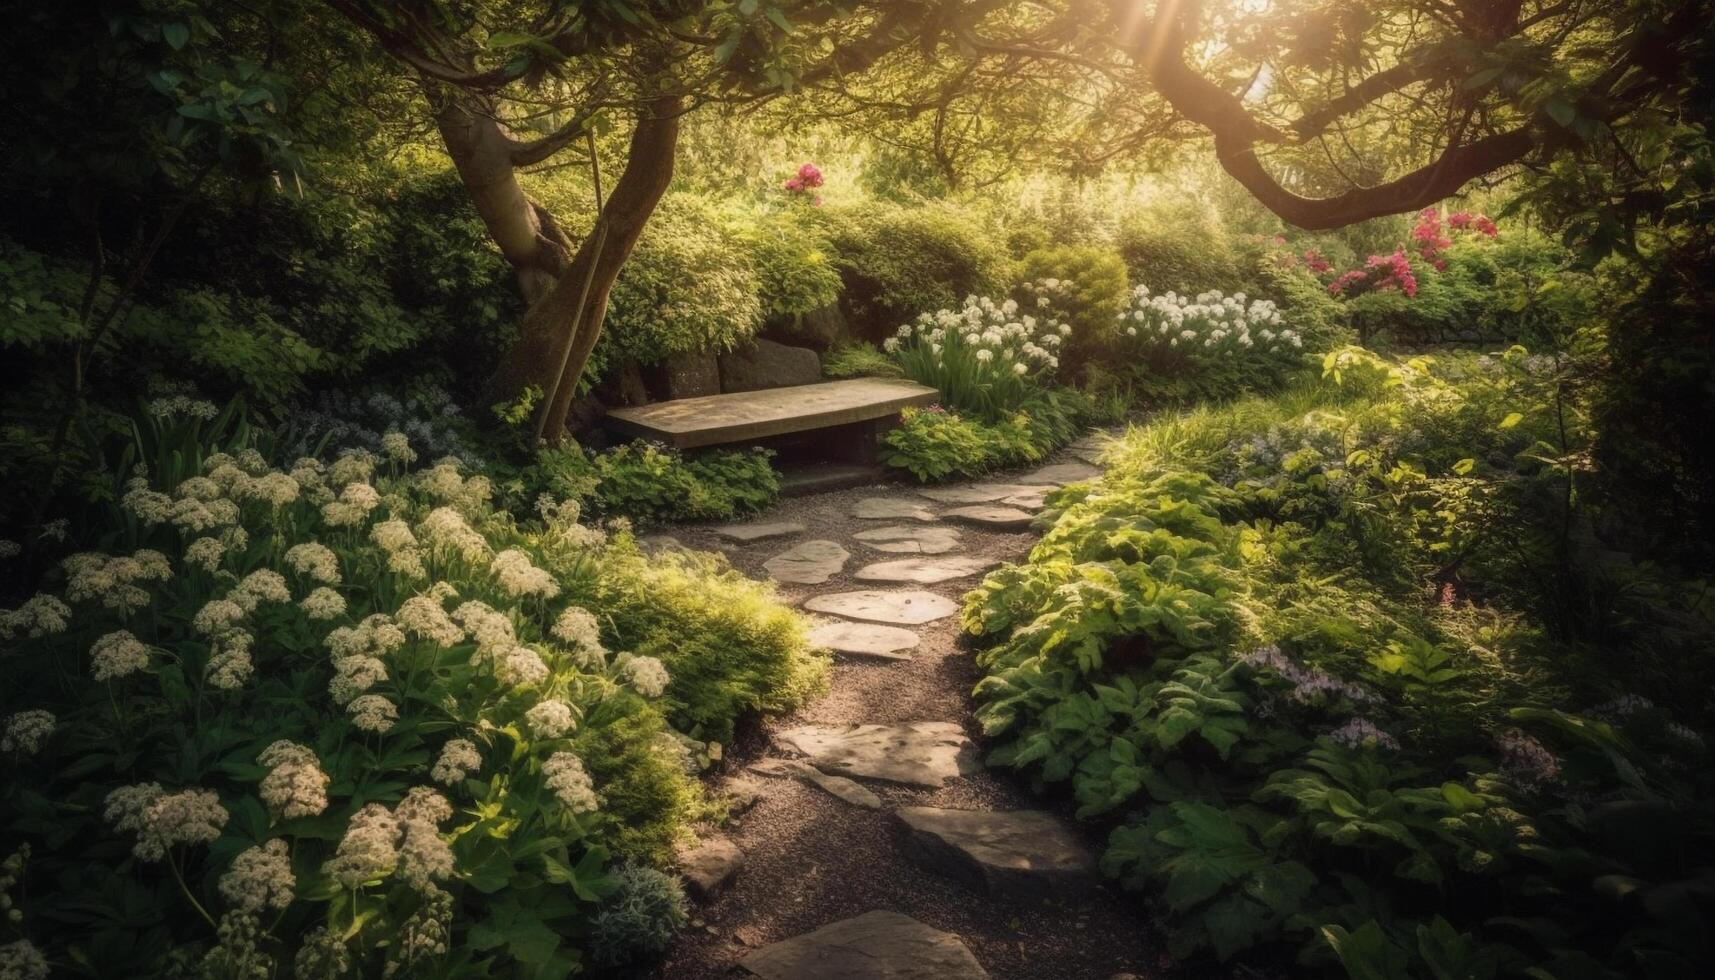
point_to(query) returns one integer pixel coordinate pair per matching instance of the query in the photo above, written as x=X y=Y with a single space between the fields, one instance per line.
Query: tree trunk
x=558 y=334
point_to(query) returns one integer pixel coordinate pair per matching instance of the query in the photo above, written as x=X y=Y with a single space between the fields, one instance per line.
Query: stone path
x=867 y=841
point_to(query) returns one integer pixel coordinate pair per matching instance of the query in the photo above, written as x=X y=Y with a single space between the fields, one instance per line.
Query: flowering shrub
x=986 y=358
x=1085 y=287
x=1379 y=274
x=805 y=182
x=895 y=262
x=346 y=719
x=1208 y=343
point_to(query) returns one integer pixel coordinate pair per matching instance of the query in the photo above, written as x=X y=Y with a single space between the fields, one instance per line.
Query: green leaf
x=1512 y=419
x=747 y=7
x=778 y=19
x=1560 y=111
x=176 y=35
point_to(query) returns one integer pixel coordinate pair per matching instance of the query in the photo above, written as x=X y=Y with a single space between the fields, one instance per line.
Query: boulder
x=690 y=375
x=760 y=363
x=710 y=866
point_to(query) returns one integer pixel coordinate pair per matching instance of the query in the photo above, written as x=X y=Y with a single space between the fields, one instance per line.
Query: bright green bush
x=794 y=264
x=647 y=482
x=899 y=262
x=1086 y=287
x=351 y=711
x=934 y=444
x=689 y=286
x=1246 y=652
x=859 y=360
x=1177 y=244
x=731 y=650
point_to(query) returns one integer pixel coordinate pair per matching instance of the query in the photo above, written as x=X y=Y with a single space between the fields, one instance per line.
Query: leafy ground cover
x=1324 y=662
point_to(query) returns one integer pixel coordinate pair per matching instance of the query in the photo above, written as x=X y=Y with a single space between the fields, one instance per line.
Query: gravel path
x=811 y=859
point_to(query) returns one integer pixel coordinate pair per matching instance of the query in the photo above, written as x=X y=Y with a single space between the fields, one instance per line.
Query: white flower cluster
x=315 y=561
x=986 y=337
x=295 y=785
x=182 y=406
x=565 y=775
x=195 y=506
x=424 y=617
x=551 y=719
x=323 y=603
x=520 y=666
x=372 y=713
x=446 y=529
x=578 y=629
x=40 y=615
x=353 y=505
x=445 y=483
x=161 y=819
x=397 y=448
x=113 y=580
x=394 y=536
x=406 y=839
x=260 y=878
x=519 y=578
x=118 y=654
x=21 y=960
x=25 y=731
x=646 y=675
x=459 y=758
x=489 y=627
x=1210 y=322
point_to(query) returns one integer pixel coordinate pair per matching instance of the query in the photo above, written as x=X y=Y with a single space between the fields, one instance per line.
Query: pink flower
x=1317 y=264
x=794 y=185
x=809 y=175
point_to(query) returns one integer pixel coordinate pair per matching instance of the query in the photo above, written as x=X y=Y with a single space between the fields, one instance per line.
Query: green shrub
x=933 y=444
x=356 y=703
x=639 y=921
x=898 y=262
x=1244 y=650
x=689 y=286
x=859 y=361
x=794 y=265
x=731 y=650
x=1086 y=287
x=648 y=482
x=1177 y=245
x=1208 y=345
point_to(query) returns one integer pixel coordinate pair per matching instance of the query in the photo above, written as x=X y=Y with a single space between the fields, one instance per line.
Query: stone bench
x=862 y=407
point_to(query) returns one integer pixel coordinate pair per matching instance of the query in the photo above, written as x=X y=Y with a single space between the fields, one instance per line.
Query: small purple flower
x=1309 y=685
x=1363 y=733
x=1525 y=761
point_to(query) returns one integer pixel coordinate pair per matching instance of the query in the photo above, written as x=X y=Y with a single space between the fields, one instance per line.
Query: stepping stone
x=865 y=640
x=710 y=866
x=1025 y=854
x=891 y=509
x=910 y=608
x=1026 y=501
x=993 y=516
x=925 y=571
x=901 y=539
x=810 y=563
x=873 y=946
x=1060 y=474
x=924 y=753
x=760 y=532
x=838 y=787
